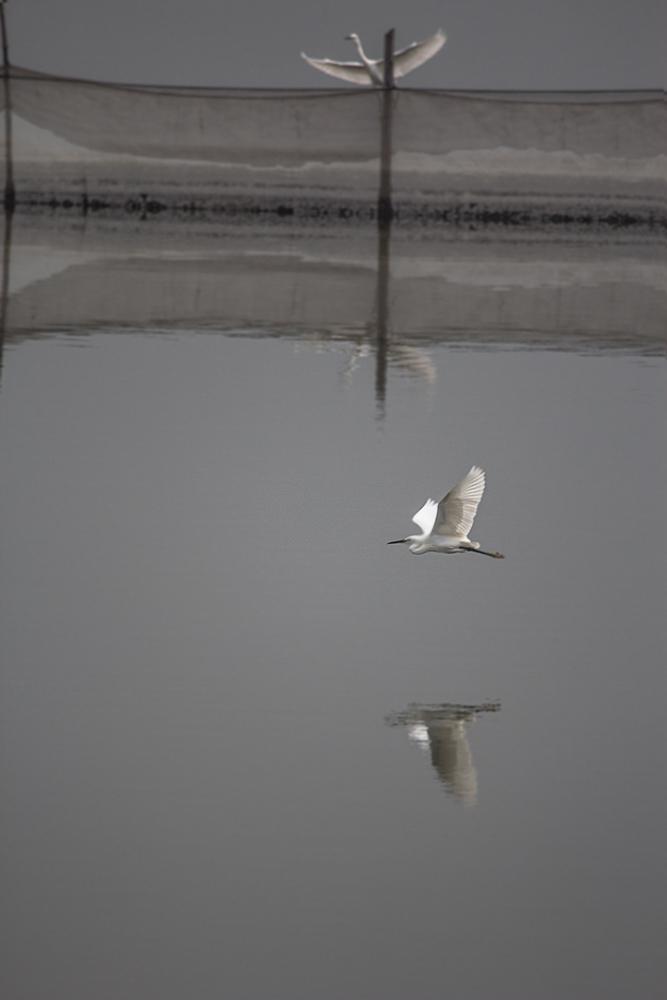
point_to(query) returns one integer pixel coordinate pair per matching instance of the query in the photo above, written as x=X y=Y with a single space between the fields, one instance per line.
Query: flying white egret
x=445 y=525
x=370 y=72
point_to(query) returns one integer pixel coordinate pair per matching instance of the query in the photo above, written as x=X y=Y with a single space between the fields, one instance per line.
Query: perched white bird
x=370 y=72
x=445 y=525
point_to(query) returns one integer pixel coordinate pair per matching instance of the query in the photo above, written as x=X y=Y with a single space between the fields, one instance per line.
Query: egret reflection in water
x=440 y=730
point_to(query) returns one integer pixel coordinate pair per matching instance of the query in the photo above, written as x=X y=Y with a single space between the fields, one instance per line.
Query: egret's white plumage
x=370 y=72
x=445 y=525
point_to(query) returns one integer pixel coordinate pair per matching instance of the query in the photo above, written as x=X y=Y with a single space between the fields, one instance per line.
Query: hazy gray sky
x=523 y=44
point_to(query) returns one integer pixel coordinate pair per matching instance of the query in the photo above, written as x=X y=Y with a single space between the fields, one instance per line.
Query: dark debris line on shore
x=489 y=213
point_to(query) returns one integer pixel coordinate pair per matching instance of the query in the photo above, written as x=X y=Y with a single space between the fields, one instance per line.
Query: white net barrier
x=70 y=135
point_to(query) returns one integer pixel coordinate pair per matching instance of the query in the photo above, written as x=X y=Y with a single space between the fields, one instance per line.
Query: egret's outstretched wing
x=351 y=71
x=457 y=510
x=425 y=517
x=417 y=54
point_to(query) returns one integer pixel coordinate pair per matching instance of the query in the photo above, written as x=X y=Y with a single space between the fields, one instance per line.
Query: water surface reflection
x=441 y=731
x=200 y=621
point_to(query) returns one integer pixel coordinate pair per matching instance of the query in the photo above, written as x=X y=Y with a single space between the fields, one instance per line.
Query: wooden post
x=385 y=215
x=389 y=59
x=384 y=199
x=10 y=192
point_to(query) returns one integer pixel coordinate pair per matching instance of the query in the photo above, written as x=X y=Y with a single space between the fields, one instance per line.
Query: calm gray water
x=249 y=750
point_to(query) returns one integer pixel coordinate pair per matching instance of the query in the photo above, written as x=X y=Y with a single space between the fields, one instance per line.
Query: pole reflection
x=381 y=324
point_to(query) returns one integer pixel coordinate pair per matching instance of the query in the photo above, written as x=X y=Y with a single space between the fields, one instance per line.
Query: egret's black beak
x=397 y=542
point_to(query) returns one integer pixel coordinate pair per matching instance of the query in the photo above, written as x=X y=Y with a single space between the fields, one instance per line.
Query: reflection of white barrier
x=325 y=285
x=105 y=141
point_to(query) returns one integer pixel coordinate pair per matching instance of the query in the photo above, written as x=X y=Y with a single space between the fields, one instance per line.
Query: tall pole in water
x=385 y=214
x=10 y=193
x=384 y=200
